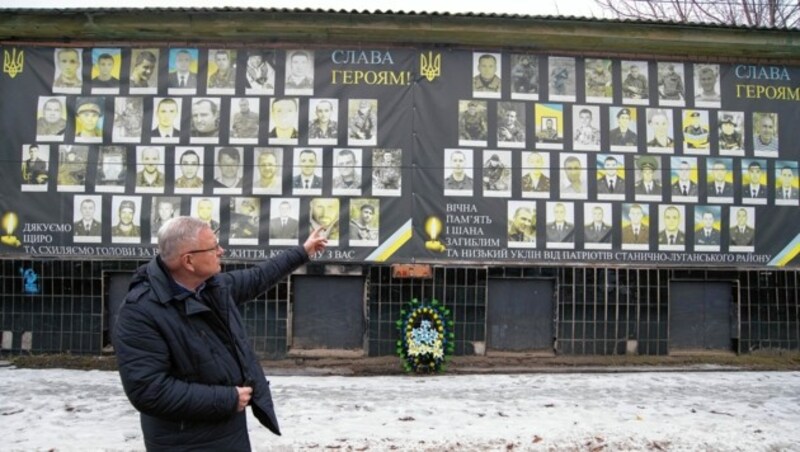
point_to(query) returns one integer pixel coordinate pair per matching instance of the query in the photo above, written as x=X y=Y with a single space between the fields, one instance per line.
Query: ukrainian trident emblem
x=430 y=65
x=13 y=62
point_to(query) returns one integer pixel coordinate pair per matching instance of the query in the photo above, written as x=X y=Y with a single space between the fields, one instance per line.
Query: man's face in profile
x=52 y=111
x=190 y=165
x=167 y=112
x=267 y=166
x=325 y=211
x=87 y=210
x=68 y=63
x=487 y=67
x=203 y=117
x=183 y=61
x=308 y=162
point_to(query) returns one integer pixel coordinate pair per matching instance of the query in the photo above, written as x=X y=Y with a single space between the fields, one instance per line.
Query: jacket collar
x=166 y=289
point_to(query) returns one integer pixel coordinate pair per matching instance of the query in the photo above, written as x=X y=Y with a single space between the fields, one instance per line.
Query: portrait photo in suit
x=743 y=229
x=535 y=174
x=635 y=226
x=182 y=78
x=648 y=185
x=672 y=230
x=307 y=171
x=283 y=221
x=166 y=124
x=560 y=228
x=719 y=180
x=597 y=226
x=707 y=227
x=683 y=179
x=88 y=213
x=611 y=177
x=754 y=181
x=786 y=183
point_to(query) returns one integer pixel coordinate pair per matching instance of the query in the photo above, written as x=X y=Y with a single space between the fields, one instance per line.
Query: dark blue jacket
x=181 y=358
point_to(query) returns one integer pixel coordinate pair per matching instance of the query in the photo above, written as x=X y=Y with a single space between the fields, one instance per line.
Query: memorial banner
x=401 y=155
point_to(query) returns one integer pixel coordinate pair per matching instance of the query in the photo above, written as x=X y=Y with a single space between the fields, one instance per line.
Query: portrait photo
x=549 y=124
x=671 y=89
x=283 y=221
x=524 y=76
x=244 y=120
x=206 y=209
x=731 y=133
x=458 y=176
x=189 y=169
x=89 y=119
x=347 y=171
x=126 y=219
x=143 y=76
x=365 y=221
x=560 y=228
x=561 y=79
x=597 y=226
x=660 y=131
x=260 y=73
x=72 y=164
x=182 y=77
x=496 y=173
x=649 y=179
x=786 y=183
x=611 y=177
x=221 y=71
x=283 y=120
x=112 y=169
x=245 y=221
x=150 y=176
x=68 y=77
x=51 y=118
x=166 y=124
x=87 y=219
x=307 y=171
x=128 y=117
x=387 y=175
x=719 y=180
x=486 y=81
x=536 y=175
x=162 y=209
x=299 y=73
x=323 y=121
x=635 y=82
x=35 y=167
x=521 y=217
x=635 y=226
x=362 y=122
x=268 y=173
x=228 y=170
x=683 y=179
x=473 y=123
x=511 y=124
x=324 y=215
x=765 y=134
x=623 y=129
x=672 y=227
x=573 y=176
x=205 y=120
x=695 y=132
x=755 y=180
x=599 y=88
x=707 y=227
x=706 y=86
x=742 y=232
x=106 y=66
x=586 y=127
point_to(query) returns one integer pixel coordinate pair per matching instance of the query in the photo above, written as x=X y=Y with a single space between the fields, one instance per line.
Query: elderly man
x=182 y=76
x=184 y=359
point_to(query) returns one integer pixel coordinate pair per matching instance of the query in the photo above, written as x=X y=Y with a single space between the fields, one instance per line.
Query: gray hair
x=176 y=234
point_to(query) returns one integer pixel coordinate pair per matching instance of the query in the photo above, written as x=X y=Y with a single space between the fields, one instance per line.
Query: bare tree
x=754 y=13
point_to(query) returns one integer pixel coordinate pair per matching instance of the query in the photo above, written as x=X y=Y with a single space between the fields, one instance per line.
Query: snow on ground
x=69 y=410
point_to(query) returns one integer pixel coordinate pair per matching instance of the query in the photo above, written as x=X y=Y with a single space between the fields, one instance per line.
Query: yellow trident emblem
x=430 y=66
x=13 y=62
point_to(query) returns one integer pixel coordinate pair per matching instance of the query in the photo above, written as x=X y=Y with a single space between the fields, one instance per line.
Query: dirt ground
x=507 y=363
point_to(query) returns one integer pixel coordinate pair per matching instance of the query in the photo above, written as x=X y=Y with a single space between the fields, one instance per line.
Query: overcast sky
x=584 y=8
